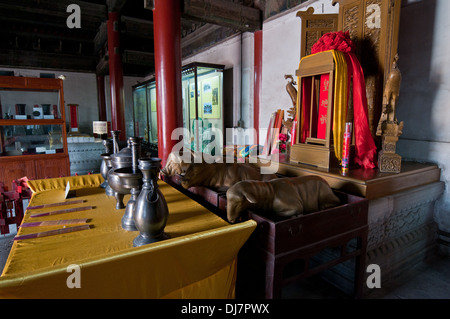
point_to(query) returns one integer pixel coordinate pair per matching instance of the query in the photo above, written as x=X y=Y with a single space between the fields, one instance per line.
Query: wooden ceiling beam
x=89 y=11
x=46 y=19
x=57 y=35
x=220 y=12
x=225 y=13
x=138 y=58
x=115 y=5
x=203 y=38
x=101 y=37
x=137 y=27
x=46 y=60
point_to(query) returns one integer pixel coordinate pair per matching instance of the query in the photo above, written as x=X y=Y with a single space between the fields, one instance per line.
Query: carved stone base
x=402 y=237
x=389 y=162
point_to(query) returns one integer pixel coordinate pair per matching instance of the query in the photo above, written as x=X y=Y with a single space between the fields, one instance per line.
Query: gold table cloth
x=198 y=261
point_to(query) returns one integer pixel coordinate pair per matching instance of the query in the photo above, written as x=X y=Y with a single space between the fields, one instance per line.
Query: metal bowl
x=122 y=180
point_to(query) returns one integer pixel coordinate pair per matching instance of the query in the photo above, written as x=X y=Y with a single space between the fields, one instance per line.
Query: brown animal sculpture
x=290 y=89
x=390 y=96
x=221 y=176
x=283 y=197
x=178 y=164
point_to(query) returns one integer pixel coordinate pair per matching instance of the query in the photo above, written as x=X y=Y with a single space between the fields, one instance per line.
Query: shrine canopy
x=347 y=68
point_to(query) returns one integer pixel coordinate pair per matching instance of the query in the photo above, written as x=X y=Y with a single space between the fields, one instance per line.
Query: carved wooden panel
x=313 y=27
x=373 y=26
x=50 y=168
x=13 y=170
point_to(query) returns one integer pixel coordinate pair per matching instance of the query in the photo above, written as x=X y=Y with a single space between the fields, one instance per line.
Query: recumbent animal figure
x=283 y=197
x=221 y=176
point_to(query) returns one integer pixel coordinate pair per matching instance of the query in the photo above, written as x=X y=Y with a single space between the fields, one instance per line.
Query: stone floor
x=431 y=281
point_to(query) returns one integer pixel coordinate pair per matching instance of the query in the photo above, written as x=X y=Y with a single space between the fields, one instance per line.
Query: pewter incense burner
x=127 y=180
x=122 y=159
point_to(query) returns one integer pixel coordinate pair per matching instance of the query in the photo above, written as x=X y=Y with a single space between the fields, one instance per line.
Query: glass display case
x=31 y=139
x=32 y=128
x=202 y=93
x=145 y=119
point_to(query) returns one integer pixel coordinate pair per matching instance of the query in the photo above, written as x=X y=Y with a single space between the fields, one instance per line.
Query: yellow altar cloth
x=198 y=261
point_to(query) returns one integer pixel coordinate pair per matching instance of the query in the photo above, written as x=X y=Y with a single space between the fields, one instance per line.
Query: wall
x=128 y=83
x=424 y=43
x=81 y=88
x=281 y=55
x=228 y=53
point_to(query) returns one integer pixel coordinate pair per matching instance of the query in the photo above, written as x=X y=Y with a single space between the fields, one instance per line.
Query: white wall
x=128 y=82
x=424 y=44
x=281 y=55
x=228 y=53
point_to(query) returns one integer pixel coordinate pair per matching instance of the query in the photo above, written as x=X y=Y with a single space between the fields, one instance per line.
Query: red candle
x=346 y=146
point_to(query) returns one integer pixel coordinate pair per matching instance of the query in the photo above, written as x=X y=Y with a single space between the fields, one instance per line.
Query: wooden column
x=167 y=38
x=258 y=36
x=101 y=97
x=116 y=75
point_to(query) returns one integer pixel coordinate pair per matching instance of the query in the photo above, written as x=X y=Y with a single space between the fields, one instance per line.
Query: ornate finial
x=395 y=62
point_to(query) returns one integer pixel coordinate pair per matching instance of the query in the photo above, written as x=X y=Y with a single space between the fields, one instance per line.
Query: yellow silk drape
x=198 y=261
x=340 y=99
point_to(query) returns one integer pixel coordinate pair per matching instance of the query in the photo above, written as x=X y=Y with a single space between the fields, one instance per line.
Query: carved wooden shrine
x=315 y=98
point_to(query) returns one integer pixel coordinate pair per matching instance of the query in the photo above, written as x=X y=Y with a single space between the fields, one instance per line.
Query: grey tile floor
x=5 y=246
x=431 y=281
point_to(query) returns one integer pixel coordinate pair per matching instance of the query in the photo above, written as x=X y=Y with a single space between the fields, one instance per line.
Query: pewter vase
x=151 y=211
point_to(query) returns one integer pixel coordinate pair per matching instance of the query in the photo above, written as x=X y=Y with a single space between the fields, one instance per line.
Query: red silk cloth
x=365 y=148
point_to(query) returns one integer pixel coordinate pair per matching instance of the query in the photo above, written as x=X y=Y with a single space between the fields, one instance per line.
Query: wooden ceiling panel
x=34 y=33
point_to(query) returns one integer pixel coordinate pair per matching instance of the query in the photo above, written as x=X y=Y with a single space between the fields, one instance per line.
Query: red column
x=101 y=98
x=167 y=37
x=257 y=81
x=116 y=75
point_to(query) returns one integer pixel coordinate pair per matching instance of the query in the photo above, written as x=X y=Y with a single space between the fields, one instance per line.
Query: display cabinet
x=202 y=93
x=144 y=114
x=33 y=140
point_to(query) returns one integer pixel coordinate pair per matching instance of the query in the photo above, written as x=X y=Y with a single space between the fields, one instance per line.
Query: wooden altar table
x=402 y=232
x=198 y=261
